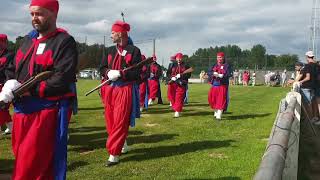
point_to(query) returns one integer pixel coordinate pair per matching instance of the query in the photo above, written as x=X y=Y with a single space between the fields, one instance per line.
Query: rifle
x=189 y=70
x=28 y=84
x=140 y=64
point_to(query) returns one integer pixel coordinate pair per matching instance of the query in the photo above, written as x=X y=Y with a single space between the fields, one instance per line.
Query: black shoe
x=109 y=163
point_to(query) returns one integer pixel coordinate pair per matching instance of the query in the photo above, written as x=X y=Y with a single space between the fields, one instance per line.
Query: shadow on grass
x=162 y=111
x=5 y=136
x=198 y=179
x=221 y=178
x=157 y=111
x=228 y=178
x=5 y=176
x=151 y=138
x=198 y=104
x=247 y=116
x=74 y=165
x=173 y=150
x=87 y=138
x=6 y=166
x=97 y=140
x=135 y=133
x=166 y=108
x=94 y=129
x=197 y=113
x=86 y=129
x=87 y=142
x=309 y=148
x=91 y=109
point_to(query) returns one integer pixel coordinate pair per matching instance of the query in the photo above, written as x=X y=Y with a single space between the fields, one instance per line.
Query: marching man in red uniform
x=121 y=96
x=170 y=88
x=5 y=58
x=155 y=72
x=40 y=119
x=218 y=95
x=143 y=87
x=177 y=84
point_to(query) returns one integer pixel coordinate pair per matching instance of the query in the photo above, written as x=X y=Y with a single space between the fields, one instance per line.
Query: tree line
x=255 y=58
x=90 y=56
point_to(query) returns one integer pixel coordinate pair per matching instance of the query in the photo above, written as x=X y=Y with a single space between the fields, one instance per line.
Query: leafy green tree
x=257 y=56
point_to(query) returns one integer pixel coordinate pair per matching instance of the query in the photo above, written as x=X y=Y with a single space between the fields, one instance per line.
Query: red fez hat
x=143 y=57
x=179 y=56
x=220 y=54
x=3 y=38
x=51 y=5
x=173 y=58
x=120 y=26
x=3 y=41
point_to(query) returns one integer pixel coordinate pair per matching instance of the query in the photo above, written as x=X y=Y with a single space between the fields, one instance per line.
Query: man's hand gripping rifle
x=28 y=84
x=173 y=79
x=138 y=65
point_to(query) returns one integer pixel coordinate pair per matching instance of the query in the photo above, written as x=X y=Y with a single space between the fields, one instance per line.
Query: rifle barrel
x=100 y=85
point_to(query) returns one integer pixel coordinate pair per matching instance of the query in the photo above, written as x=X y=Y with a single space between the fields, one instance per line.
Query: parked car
x=87 y=73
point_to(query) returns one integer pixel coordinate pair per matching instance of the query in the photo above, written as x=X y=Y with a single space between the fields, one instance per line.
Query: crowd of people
x=307 y=82
x=244 y=78
x=247 y=78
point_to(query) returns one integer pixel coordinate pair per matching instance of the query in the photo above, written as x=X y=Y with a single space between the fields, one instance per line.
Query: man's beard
x=41 y=27
x=116 y=40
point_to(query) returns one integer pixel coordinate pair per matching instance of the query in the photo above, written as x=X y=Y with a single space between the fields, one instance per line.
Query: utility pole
x=122 y=14
x=154 y=47
x=314 y=35
x=104 y=47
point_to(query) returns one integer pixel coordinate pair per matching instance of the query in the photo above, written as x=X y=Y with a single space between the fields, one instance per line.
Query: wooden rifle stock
x=28 y=84
x=189 y=70
x=140 y=64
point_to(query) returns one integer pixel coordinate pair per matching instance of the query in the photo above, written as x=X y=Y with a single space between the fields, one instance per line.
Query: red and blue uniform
x=155 y=73
x=143 y=85
x=121 y=97
x=218 y=94
x=40 y=121
x=177 y=89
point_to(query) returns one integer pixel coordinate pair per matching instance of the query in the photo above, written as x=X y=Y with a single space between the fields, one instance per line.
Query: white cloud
x=181 y=25
x=99 y=26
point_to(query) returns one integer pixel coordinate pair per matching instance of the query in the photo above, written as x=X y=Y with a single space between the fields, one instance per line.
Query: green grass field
x=194 y=146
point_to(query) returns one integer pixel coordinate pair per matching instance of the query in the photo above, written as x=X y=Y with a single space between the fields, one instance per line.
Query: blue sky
x=182 y=25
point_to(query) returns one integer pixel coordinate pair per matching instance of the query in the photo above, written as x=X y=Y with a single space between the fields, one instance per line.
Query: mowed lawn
x=194 y=146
